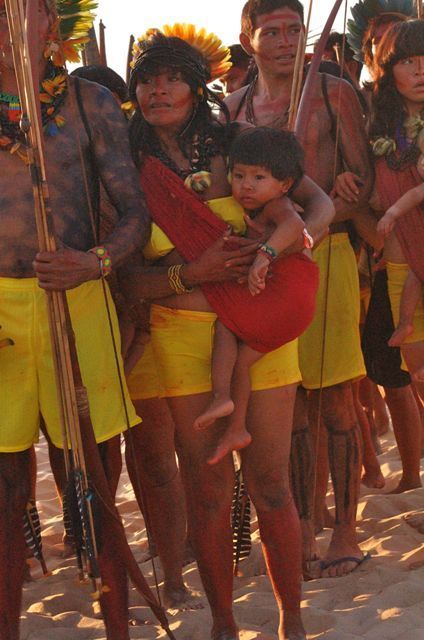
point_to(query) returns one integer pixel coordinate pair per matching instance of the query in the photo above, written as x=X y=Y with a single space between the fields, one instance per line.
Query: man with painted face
x=28 y=386
x=270 y=33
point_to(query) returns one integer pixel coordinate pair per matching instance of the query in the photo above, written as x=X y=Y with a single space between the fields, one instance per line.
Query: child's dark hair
x=255 y=8
x=277 y=151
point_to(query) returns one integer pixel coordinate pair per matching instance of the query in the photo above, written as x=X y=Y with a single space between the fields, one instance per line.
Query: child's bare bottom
x=411 y=295
x=231 y=361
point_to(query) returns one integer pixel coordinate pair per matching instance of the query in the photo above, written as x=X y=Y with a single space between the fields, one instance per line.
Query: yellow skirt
x=342 y=359
x=27 y=379
x=181 y=345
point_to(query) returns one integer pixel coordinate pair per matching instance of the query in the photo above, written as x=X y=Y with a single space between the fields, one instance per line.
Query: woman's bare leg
x=406 y=422
x=412 y=293
x=152 y=467
x=209 y=492
x=265 y=466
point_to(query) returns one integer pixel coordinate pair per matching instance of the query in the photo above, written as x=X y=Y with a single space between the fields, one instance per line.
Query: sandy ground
x=382 y=599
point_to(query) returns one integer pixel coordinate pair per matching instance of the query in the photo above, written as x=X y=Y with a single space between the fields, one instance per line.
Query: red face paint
x=275 y=40
x=165 y=100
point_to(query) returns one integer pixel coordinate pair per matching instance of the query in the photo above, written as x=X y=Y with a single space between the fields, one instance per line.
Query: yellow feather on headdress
x=216 y=55
x=68 y=35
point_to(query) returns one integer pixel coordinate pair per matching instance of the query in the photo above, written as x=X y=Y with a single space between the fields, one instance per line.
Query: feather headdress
x=69 y=33
x=365 y=10
x=215 y=54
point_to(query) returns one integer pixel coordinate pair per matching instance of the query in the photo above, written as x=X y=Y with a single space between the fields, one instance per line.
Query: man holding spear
x=28 y=388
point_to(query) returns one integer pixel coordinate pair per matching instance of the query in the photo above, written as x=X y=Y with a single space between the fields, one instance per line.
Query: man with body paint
x=270 y=33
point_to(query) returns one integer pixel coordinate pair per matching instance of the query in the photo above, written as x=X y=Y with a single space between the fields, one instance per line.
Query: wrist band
x=105 y=261
x=308 y=241
x=175 y=282
x=270 y=253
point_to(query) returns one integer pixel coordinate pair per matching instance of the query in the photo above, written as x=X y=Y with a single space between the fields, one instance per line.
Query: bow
x=73 y=401
x=304 y=111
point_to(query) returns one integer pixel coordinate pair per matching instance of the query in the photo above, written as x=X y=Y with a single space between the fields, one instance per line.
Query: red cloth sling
x=265 y=322
x=392 y=185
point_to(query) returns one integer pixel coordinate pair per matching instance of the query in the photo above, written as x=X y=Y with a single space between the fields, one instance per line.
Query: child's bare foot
x=232 y=440
x=219 y=407
x=400 y=334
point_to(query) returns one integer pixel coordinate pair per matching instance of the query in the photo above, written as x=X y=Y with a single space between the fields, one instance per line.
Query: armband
x=268 y=251
x=175 y=282
x=105 y=261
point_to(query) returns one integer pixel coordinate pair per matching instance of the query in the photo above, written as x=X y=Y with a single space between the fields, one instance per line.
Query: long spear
x=73 y=395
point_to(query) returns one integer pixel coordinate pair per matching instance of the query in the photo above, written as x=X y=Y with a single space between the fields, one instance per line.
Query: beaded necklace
x=53 y=91
x=407 y=145
x=199 y=154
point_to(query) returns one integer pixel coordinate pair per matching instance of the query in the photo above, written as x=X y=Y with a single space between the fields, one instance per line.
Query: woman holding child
x=175 y=138
x=397 y=131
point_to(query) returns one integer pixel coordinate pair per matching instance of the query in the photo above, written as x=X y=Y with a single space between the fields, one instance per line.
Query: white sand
x=382 y=599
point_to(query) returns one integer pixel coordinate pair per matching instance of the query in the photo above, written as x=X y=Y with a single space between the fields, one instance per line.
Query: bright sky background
x=125 y=17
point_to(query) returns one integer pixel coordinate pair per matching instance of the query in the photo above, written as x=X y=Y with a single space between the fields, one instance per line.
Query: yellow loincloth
x=396 y=276
x=27 y=381
x=182 y=344
x=343 y=358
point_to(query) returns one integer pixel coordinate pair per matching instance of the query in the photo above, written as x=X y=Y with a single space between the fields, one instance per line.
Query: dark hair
x=159 y=53
x=239 y=57
x=254 y=8
x=369 y=35
x=106 y=77
x=275 y=150
x=335 y=41
x=402 y=40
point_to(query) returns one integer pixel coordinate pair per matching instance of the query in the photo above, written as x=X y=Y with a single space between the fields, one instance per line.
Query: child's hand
x=257 y=274
x=386 y=224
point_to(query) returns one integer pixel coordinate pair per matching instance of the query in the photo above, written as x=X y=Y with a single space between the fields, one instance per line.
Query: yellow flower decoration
x=216 y=55
x=52 y=88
